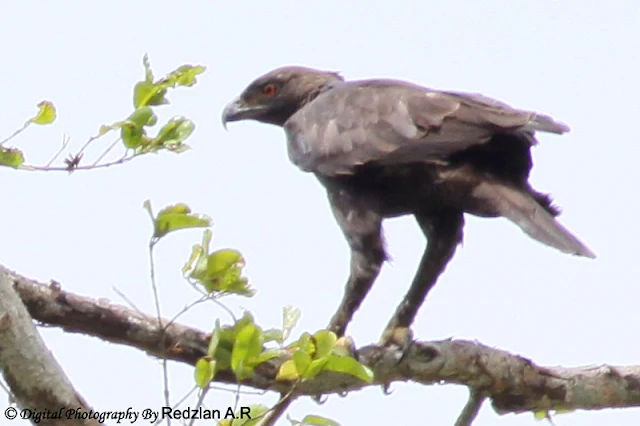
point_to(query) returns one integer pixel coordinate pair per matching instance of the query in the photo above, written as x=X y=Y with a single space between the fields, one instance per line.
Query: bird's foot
x=400 y=338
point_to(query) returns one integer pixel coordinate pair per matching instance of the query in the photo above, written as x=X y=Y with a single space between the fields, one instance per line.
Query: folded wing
x=395 y=122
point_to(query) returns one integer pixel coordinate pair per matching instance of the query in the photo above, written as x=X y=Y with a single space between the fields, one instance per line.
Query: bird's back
x=394 y=122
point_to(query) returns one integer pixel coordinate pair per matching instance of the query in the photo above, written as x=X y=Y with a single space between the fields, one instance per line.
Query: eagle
x=385 y=148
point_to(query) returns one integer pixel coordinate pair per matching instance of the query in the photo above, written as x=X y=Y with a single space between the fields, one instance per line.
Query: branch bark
x=37 y=382
x=513 y=384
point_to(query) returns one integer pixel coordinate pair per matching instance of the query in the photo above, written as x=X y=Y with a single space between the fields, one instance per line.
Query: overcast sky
x=576 y=60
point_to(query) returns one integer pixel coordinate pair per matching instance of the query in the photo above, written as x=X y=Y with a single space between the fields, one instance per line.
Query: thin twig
x=237 y=391
x=237 y=399
x=156 y=299
x=5 y=388
x=126 y=299
x=184 y=310
x=65 y=143
x=225 y=308
x=106 y=151
x=89 y=167
x=16 y=133
x=203 y=392
x=91 y=139
x=177 y=404
x=550 y=419
x=278 y=410
x=471 y=408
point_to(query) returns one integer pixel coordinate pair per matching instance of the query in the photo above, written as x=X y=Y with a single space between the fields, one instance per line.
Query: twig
x=88 y=142
x=279 y=409
x=156 y=299
x=126 y=299
x=16 y=133
x=106 y=151
x=225 y=308
x=177 y=404
x=65 y=142
x=89 y=167
x=184 y=310
x=203 y=393
x=471 y=408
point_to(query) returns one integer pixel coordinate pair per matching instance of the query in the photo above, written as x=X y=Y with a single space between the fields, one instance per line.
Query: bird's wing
x=394 y=122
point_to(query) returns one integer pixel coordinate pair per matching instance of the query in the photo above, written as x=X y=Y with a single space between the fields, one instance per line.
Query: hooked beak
x=237 y=110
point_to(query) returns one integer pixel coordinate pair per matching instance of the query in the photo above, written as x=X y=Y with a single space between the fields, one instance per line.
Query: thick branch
x=514 y=384
x=37 y=382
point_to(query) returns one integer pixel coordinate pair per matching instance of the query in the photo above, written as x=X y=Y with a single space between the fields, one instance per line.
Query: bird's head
x=277 y=95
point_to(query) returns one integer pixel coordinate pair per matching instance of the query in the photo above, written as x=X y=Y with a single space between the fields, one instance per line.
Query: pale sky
x=576 y=60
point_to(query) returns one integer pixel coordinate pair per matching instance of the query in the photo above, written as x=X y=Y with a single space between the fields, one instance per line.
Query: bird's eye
x=269 y=90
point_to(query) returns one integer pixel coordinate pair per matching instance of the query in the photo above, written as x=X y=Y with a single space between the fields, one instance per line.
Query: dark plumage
x=385 y=148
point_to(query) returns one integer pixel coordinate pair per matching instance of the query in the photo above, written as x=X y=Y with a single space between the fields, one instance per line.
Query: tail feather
x=536 y=221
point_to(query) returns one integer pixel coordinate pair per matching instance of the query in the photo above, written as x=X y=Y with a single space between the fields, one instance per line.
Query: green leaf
x=290 y=317
x=196 y=253
x=185 y=75
x=287 y=371
x=204 y=372
x=247 y=345
x=316 y=367
x=221 y=261
x=541 y=415
x=215 y=339
x=199 y=258
x=349 y=365
x=132 y=136
x=175 y=132
x=223 y=355
x=302 y=360
x=143 y=116
x=148 y=93
x=325 y=342
x=132 y=130
x=256 y=414
x=148 y=74
x=273 y=335
x=220 y=271
x=228 y=336
x=224 y=273
x=228 y=333
x=312 y=420
x=11 y=157
x=264 y=356
x=106 y=128
x=305 y=343
x=177 y=217
x=244 y=370
x=46 y=113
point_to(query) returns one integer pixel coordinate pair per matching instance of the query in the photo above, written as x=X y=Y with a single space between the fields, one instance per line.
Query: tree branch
x=37 y=382
x=471 y=408
x=513 y=383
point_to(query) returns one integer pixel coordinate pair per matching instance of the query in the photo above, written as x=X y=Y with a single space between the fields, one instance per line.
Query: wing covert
x=391 y=122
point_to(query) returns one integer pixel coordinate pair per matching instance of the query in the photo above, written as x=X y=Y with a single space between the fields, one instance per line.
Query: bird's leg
x=444 y=233
x=362 y=227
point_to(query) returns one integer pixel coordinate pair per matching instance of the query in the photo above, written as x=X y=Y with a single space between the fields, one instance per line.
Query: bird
x=384 y=148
